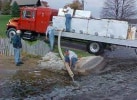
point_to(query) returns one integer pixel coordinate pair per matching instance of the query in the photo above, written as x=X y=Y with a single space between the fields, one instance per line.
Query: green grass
x=3 y=21
x=31 y=42
x=80 y=53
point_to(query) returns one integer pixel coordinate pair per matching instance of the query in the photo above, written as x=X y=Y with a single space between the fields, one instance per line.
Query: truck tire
x=96 y=48
x=11 y=32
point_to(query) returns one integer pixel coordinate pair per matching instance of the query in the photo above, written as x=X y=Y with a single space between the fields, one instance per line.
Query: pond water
x=117 y=81
x=28 y=83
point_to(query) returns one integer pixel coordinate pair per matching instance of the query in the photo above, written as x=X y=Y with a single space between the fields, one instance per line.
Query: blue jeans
x=73 y=61
x=68 y=22
x=17 y=55
x=51 y=39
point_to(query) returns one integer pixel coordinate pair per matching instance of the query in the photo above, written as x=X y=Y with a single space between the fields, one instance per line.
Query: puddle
x=28 y=83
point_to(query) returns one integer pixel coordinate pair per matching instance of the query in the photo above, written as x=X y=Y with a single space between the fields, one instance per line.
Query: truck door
x=43 y=18
x=27 y=21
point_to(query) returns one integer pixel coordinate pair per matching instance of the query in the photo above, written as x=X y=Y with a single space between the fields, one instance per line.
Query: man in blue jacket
x=17 y=45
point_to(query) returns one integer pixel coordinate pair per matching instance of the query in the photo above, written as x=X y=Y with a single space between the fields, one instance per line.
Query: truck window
x=27 y=14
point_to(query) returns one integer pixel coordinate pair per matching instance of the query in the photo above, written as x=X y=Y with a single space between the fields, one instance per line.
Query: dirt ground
x=117 y=81
x=8 y=67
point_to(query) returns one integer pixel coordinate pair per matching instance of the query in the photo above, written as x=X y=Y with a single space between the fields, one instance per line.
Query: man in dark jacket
x=17 y=45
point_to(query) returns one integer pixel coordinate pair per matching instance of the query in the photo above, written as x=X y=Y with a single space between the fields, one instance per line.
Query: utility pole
x=82 y=4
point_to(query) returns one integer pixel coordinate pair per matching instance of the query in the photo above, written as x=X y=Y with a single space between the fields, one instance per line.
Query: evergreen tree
x=15 y=11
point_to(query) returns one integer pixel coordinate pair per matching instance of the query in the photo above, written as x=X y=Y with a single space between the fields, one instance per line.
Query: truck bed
x=122 y=42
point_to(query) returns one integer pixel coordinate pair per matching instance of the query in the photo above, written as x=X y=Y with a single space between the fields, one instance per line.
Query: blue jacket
x=16 y=40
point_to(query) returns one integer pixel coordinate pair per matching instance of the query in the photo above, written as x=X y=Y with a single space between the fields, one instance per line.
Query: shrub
x=6 y=8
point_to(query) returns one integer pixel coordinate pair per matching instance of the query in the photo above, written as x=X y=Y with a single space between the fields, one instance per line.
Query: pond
x=28 y=83
x=117 y=81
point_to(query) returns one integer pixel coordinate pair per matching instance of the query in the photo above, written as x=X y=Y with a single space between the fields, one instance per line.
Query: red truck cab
x=32 y=21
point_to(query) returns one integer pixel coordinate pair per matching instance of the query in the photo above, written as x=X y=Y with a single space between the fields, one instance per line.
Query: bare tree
x=76 y=4
x=119 y=9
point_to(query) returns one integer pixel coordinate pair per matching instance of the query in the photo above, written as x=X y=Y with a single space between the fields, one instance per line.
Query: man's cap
x=66 y=50
x=18 y=31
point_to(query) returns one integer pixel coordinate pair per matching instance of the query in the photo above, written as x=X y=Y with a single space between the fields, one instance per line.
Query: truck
x=98 y=33
x=32 y=22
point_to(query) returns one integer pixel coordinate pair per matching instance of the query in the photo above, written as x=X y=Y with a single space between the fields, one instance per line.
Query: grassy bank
x=3 y=21
x=80 y=53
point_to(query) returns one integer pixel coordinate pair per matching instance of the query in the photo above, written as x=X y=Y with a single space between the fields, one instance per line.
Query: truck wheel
x=95 y=47
x=11 y=32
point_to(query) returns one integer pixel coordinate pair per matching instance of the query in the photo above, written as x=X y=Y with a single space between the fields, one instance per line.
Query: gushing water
x=75 y=83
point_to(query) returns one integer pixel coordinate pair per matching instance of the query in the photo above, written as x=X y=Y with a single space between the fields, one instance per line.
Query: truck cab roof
x=38 y=8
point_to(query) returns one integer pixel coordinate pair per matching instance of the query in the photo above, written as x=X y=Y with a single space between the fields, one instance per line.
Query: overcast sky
x=92 y=5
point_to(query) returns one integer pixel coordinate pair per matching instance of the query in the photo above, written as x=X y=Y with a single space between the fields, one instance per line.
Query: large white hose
x=62 y=57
